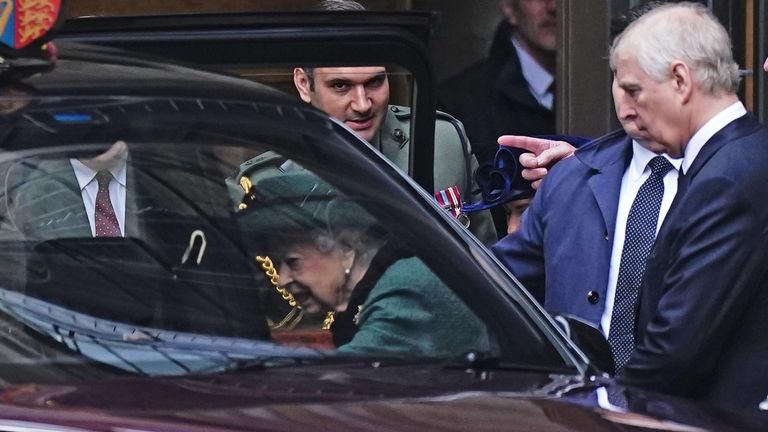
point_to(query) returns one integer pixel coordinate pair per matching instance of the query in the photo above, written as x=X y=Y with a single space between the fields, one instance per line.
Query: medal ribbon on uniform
x=450 y=199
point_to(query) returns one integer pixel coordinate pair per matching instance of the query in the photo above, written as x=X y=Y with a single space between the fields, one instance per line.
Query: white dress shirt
x=89 y=187
x=539 y=80
x=635 y=175
x=711 y=127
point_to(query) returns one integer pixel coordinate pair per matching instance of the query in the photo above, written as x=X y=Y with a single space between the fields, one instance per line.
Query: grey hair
x=687 y=32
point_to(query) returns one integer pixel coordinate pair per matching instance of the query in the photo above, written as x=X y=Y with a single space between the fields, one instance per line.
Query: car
x=184 y=319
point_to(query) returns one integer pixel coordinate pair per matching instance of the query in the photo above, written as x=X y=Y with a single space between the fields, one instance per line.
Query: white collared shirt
x=710 y=128
x=89 y=187
x=634 y=177
x=539 y=80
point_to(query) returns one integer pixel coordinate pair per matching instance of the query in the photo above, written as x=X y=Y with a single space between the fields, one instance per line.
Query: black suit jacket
x=45 y=202
x=143 y=279
x=491 y=98
x=702 y=329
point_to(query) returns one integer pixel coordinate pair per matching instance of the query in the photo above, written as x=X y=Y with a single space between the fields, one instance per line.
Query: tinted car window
x=220 y=199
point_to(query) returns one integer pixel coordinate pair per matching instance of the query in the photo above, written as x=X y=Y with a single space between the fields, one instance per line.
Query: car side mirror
x=589 y=339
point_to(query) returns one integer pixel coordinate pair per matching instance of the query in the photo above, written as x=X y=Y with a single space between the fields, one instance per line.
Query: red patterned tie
x=106 y=220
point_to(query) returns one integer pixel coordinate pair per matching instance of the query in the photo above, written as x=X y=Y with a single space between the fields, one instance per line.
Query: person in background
x=512 y=90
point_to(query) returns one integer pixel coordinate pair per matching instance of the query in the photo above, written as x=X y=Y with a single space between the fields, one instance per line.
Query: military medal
x=450 y=199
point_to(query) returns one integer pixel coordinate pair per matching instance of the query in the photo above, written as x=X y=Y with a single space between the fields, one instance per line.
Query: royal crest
x=24 y=22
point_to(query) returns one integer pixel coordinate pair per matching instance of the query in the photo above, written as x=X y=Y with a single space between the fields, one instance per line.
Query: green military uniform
x=454 y=162
x=411 y=312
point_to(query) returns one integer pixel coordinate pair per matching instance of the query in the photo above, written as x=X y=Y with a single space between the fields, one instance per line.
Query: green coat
x=454 y=163
x=411 y=312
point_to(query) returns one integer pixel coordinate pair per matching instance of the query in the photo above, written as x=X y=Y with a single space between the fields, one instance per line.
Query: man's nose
x=360 y=100
x=625 y=110
x=551 y=6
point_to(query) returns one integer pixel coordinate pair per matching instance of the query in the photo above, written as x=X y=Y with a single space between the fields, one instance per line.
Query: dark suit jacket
x=143 y=278
x=702 y=329
x=566 y=236
x=491 y=98
x=44 y=200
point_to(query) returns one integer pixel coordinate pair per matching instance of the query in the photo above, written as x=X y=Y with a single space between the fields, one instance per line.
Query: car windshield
x=166 y=236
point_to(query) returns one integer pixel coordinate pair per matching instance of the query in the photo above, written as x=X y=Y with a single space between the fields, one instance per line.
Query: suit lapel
x=131 y=228
x=742 y=126
x=48 y=203
x=512 y=84
x=734 y=130
x=608 y=158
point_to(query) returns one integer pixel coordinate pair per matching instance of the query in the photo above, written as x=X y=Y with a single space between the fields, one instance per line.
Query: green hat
x=289 y=204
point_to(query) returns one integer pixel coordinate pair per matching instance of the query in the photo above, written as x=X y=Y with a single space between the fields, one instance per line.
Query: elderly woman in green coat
x=333 y=256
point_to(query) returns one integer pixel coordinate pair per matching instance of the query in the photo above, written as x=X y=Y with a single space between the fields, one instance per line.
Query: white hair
x=686 y=32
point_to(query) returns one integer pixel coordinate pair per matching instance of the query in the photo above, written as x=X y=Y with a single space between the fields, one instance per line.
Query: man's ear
x=302 y=83
x=682 y=79
x=509 y=11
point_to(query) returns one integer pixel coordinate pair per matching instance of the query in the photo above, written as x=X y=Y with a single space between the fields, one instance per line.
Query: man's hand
x=117 y=153
x=542 y=154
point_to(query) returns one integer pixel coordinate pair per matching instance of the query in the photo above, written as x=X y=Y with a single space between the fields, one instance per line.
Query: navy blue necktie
x=639 y=238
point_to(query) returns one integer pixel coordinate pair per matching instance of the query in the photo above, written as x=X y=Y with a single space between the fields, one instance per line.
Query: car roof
x=83 y=69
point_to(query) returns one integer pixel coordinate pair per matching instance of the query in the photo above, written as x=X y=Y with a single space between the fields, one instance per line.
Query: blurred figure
x=513 y=89
x=86 y=196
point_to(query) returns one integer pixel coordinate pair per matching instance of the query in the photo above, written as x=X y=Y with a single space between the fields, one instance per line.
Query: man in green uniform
x=359 y=97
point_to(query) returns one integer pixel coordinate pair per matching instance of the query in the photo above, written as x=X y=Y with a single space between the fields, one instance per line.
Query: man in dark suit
x=512 y=90
x=52 y=198
x=173 y=219
x=699 y=315
x=702 y=313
